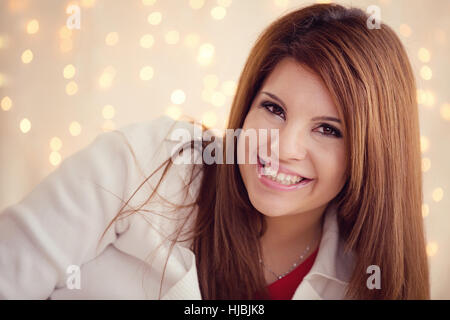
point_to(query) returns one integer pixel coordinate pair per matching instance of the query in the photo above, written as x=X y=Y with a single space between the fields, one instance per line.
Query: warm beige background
x=118 y=76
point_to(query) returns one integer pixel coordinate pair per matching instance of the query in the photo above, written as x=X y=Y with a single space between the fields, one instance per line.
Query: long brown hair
x=370 y=80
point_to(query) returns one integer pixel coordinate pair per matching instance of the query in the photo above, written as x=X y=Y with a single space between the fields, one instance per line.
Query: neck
x=292 y=233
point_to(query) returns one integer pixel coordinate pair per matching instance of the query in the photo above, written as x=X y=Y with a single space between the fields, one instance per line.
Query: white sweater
x=58 y=225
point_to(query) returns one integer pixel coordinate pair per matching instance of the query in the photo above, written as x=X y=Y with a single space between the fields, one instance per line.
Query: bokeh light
x=218 y=99
x=205 y=54
x=33 y=26
x=178 y=97
x=69 y=71
x=87 y=3
x=424 y=55
x=424 y=144
x=154 y=18
x=55 y=144
x=146 y=73
x=27 y=56
x=4 y=41
x=107 y=77
x=174 y=112
x=71 y=88
x=3 y=80
x=6 y=103
x=196 y=4
x=209 y=119
x=25 y=125
x=218 y=13
x=54 y=158
x=229 y=88
x=426 y=73
x=65 y=33
x=445 y=111
x=432 y=248
x=112 y=39
x=75 y=128
x=147 y=41
x=108 y=112
x=438 y=194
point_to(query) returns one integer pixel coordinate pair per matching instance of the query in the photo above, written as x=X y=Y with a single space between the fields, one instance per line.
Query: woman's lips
x=276 y=185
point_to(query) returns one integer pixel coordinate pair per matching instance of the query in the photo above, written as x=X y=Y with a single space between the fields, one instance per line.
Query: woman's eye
x=273 y=108
x=330 y=130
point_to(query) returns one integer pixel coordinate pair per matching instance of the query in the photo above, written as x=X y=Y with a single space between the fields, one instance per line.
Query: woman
x=247 y=230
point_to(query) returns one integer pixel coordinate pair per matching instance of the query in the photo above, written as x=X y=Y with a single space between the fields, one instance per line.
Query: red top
x=284 y=288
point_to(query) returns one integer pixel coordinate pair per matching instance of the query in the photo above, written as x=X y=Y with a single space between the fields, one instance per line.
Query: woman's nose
x=293 y=143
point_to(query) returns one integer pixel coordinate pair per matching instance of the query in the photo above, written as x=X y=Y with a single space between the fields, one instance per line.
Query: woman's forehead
x=298 y=87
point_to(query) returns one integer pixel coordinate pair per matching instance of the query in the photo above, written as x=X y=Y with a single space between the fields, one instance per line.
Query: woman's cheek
x=336 y=173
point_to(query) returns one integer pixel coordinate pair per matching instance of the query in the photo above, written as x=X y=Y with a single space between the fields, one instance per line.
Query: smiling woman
x=342 y=98
x=323 y=61
x=342 y=196
x=293 y=208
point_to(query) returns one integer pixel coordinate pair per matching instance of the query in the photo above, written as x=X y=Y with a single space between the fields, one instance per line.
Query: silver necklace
x=292 y=268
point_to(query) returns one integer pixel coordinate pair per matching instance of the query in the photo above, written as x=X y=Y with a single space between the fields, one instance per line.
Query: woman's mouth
x=279 y=180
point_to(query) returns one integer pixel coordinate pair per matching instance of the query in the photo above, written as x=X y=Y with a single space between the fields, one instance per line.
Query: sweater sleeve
x=59 y=223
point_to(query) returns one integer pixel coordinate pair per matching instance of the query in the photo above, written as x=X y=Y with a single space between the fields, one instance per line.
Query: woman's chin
x=269 y=208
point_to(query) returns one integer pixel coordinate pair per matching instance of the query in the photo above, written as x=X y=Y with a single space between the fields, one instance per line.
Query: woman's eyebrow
x=314 y=119
x=274 y=97
x=326 y=118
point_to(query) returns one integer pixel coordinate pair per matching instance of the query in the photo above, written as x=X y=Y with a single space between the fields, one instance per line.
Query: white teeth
x=269 y=172
x=282 y=178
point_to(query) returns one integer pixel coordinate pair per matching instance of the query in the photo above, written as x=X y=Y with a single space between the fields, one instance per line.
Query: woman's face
x=290 y=100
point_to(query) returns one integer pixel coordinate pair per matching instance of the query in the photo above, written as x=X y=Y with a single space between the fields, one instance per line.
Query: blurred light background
x=134 y=60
